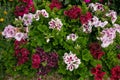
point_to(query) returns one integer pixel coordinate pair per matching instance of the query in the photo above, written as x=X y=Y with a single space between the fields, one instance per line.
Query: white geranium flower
x=72 y=36
x=71 y=60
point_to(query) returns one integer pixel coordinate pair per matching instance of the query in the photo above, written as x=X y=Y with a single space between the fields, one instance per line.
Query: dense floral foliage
x=78 y=41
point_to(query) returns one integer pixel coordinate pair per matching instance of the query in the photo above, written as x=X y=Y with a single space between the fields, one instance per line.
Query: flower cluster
x=98 y=23
x=13 y=32
x=25 y=7
x=73 y=13
x=72 y=36
x=42 y=12
x=96 y=7
x=115 y=73
x=21 y=53
x=107 y=37
x=55 y=24
x=28 y=18
x=93 y=22
x=55 y=4
x=98 y=74
x=86 y=23
x=95 y=50
x=71 y=60
x=44 y=61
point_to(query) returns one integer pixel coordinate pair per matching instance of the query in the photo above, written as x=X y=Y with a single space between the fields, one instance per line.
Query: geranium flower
x=36 y=61
x=21 y=55
x=21 y=10
x=24 y=52
x=55 y=4
x=97 y=23
x=97 y=72
x=95 y=50
x=73 y=13
x=27 y=19
x=87 y=1
x=115 y=73
x=44 y=13
x=55 y=24
x=72 y=36
x=19 y=36
x=71 y=60
x=9 y=31
x=96 y=7
x=87 y=27
x=52 y=60
x=107 y=37
x=85 y=18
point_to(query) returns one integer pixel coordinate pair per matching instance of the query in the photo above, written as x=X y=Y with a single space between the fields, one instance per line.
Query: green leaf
x=86 y=55
x=67 y=2
x=95 y=62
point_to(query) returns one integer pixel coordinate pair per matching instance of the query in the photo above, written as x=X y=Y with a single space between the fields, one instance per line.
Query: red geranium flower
x=95 y=50
x=55 y=3
x=24 y=52
x=21 y=10
x=115 y=73
x=73 y=13
x=97 y=72
x=35 y=61
x=84 y=18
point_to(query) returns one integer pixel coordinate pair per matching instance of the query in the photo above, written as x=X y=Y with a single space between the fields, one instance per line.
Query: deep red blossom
x=88 y=15
x=53 y=57
x=21 y=53
x=22 y=60
x=115 y=73
x=21 y=10
x=55 y=4
x=98 y=54
x=85 y=18
x=36 y=61
x=17 y=44
x=97 y=72
x=95 y=46
x=87 y=1
x=24 y=52
x=73 y=13
x=96 y=51
x=44 y=61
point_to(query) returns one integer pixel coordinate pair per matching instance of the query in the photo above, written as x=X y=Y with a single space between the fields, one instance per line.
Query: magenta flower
x=86 y=1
